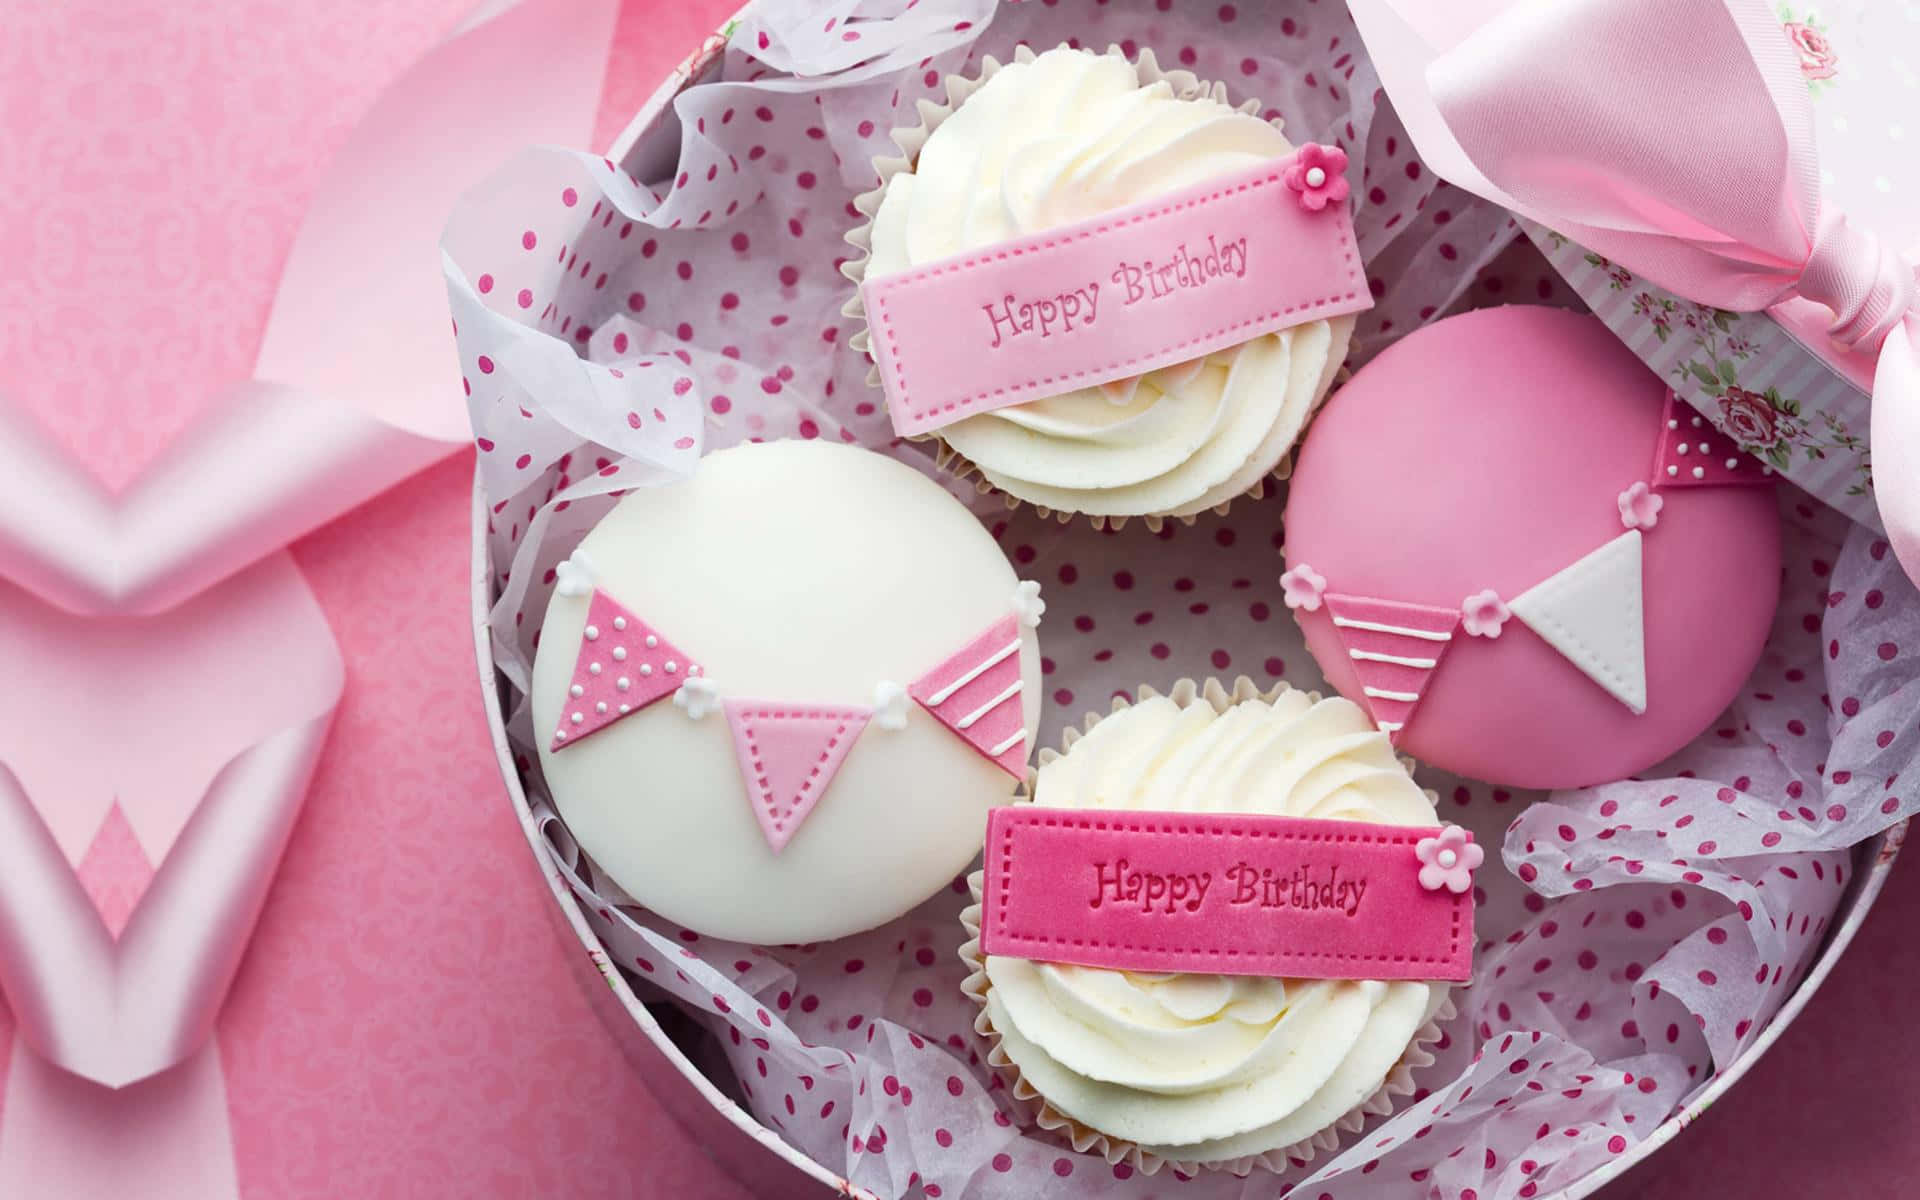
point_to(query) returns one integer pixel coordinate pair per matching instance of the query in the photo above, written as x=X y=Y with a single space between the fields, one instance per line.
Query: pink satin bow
x=167 y=658
x=1675 y=137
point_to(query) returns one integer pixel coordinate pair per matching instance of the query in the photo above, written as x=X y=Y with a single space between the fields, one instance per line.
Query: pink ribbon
x=118 y=1010
x=1548 y=108
x=266 y=465
x=164 y=656
x=201 y=724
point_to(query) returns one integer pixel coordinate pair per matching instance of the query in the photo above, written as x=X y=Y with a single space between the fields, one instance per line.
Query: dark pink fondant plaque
x=1219 y=893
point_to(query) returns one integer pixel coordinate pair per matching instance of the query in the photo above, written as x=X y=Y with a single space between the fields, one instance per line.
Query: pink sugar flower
x=1640 y=507
x=1448 y=861
x=1302 y=587
x=1483 y=614
x=1318 y=174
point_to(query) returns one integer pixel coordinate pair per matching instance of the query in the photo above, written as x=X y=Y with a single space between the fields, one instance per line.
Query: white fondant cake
x=789 y=794
x=1053 y=139
x=1215 y=1068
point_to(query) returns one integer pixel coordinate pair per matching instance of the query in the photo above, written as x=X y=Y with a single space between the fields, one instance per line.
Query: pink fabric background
x=406 y=1023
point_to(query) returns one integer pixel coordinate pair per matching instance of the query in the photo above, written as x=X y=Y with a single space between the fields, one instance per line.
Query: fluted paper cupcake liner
x=1084 y=1138
x=910 y=139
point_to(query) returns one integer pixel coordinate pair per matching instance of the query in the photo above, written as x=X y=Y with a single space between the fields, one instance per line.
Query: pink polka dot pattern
x=729 y=262
x=699 y=307
x=1764 y=782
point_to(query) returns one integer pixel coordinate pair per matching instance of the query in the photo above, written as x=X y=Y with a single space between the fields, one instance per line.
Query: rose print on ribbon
x=1749 y=417
x=1818 y=61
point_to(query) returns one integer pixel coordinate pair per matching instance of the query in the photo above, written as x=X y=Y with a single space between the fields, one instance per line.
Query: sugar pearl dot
x=646 y=668
x=626 y=708
x=619 y=654
x=1316 y=177
x=593 y=633
x=1448 y=858
x=1673 y=424
x=1680 y=449
x=1699 y=472
x=559 y=733
x=672 y=666
x=1732 y=463
x=1696 y=422
x=576 y=691
x=623 y=683
x=600 y=707
x=619 y=622
x=593 y=668
x=579 y=717
x=652 y=641
x=1673 y=470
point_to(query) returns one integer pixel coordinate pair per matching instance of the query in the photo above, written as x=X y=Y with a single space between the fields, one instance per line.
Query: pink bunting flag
x=788 y=756
x=624 y=665
x=1395 y=648
x=976 y=693
x=1693 y=453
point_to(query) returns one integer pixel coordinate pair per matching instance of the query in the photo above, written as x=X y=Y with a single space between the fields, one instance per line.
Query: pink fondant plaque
x=1221 y=894
x=1143 y=287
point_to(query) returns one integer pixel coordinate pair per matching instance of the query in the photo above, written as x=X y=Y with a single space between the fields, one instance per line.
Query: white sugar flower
x=697 y=696
x=889 y=705
x=575 y=576
x=1027 y=604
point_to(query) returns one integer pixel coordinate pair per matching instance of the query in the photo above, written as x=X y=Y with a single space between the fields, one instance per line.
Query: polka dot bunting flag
x=624 y=665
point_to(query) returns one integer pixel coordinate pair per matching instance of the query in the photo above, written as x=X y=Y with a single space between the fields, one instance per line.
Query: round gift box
x=663 y=1047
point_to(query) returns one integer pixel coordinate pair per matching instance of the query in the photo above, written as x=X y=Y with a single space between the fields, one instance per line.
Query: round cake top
x=1530 y=565
x=1212 y=1068
x=781 y=695
x=1052 y=139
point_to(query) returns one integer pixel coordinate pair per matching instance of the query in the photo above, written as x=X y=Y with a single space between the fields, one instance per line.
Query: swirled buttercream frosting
x=1067 y=135
x=1214 y=1068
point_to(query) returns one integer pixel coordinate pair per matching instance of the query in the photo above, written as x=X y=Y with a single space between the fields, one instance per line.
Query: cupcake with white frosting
x=1052 y=139
x=1218 y=1071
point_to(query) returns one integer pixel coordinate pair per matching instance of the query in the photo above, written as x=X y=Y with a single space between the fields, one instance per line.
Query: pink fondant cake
x=1501 y=474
